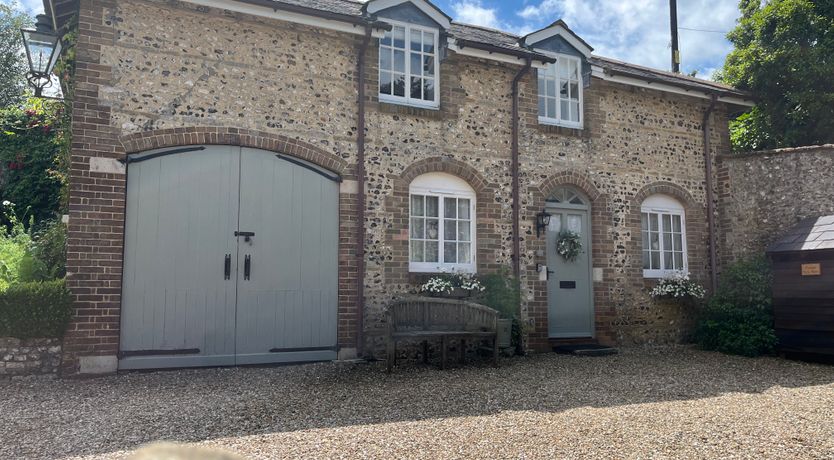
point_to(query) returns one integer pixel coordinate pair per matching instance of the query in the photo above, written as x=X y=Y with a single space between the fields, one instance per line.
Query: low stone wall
x=763 y=194
x=29 y=357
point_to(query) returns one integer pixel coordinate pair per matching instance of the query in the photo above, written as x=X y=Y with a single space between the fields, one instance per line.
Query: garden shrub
x=47 y=253
x=502 y=292
x=738 y=331
x=35 y=309
x=14 y=249
x=738 y=318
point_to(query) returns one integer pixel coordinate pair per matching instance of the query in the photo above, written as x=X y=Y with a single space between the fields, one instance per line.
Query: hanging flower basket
x=569 y=245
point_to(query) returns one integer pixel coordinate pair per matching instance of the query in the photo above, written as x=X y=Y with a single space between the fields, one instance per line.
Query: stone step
x=590 y=349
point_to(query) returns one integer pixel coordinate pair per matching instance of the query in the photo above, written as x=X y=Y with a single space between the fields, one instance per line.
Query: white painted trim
x=407 y=100
x=374 y=6
x=559 y=30
x=499 y=57
x=288 y=16
x=664 y=204
x=443 y=185
x=599 y=72
x=558 y=121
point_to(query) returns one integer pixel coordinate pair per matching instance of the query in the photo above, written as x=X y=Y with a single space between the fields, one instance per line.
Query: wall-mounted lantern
x=43 y=47
x=542 y=221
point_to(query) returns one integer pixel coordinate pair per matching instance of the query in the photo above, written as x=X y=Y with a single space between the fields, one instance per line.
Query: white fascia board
x=505 y=58
x=544 y=34
x=598 y=72
x=288 y=16
x=374 y=6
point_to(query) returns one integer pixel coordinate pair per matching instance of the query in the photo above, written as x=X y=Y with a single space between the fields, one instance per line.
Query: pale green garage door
x=231 y=257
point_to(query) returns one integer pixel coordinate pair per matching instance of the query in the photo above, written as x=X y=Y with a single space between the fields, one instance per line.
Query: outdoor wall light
x=542 y=221
x=43 y=47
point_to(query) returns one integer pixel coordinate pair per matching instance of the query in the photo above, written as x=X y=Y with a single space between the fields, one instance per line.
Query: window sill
x=413 y=110
x=565 y=130
x=658 y=274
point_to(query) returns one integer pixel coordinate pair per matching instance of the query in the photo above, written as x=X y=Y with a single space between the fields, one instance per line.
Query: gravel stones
x=642 y=403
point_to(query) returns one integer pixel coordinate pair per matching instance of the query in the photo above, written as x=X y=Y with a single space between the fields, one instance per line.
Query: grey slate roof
x=510 y=42
x=810 y=234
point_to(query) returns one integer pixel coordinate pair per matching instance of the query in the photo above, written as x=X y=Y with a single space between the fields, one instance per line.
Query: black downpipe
x=514 y=172
x=713 y=259
x=360 y=197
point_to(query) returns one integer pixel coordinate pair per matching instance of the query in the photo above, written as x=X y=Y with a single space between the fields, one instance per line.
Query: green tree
x=784 y=55
x=13 y=65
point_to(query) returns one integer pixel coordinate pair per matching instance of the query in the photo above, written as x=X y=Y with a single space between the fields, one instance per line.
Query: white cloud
x=637 y=31
x=473 y=12
x=33 y=7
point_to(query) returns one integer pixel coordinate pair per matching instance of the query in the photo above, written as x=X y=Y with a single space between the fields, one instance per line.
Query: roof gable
x=434 y=13
x=409 y=13
x=557 y=35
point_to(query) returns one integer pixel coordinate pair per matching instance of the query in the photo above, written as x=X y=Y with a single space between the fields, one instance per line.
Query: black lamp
x=542 y=221
x=43 y=47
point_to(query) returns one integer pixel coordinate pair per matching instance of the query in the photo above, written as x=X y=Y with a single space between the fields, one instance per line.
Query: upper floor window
x=408 y=69
x=560 y=92
x=441 y=224
x=664 y=236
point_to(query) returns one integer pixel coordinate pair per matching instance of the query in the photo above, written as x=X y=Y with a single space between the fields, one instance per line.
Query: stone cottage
x=253 y=180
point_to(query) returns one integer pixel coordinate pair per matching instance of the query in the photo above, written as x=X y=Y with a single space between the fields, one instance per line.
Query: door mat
x=585 y=350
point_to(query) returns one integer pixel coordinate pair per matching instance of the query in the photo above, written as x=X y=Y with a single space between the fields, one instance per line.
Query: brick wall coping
x=824 y=148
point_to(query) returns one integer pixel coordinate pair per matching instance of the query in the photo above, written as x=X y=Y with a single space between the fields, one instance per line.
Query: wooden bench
x=435 y=318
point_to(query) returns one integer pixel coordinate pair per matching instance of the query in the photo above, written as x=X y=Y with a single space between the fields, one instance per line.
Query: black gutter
x=360 y=198
x=514 y=171
x=713 y=275
x=703 y=88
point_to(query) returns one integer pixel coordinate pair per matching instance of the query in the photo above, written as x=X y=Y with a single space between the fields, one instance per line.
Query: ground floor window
x=664 y=236
x=441 y=224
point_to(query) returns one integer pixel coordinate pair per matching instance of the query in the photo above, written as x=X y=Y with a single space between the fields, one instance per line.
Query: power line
x=704 y=30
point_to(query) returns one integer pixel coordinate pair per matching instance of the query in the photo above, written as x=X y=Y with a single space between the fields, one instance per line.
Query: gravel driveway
x=643 y=403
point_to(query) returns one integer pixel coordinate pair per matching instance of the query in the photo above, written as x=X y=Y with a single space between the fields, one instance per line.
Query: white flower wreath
x=569 y=245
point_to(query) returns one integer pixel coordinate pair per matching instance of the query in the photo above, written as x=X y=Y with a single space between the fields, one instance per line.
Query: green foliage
x=31 y=256
x=13 y=65
x=738 y=331
x=782 y=55
x=746 y=284
x=35 y=309
x=738 y=318
x=47 y=253
x=14 y=249
x=502 y=293
x=33 y=152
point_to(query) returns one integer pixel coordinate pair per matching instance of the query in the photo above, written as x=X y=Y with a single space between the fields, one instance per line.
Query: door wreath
x=569 y=245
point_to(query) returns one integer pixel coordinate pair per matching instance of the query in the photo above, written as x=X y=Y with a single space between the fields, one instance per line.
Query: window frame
x=558 y=121
x=660 y=211
x=440 y=266
x=407 y=99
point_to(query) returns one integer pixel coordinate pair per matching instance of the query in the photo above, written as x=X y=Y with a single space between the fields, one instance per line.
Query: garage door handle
x=227 y=267
x=247 y=266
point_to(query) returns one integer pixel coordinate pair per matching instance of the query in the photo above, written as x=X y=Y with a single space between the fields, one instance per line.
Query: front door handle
x=247 y=266
x=227 y=267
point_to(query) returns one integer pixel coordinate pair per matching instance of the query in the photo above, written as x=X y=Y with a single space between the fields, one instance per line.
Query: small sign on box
x=811 y=269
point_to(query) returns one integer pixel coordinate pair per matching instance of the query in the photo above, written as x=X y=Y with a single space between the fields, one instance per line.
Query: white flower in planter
x=678 y=286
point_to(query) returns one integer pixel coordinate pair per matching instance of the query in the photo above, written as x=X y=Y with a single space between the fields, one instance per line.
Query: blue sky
x=635 y=31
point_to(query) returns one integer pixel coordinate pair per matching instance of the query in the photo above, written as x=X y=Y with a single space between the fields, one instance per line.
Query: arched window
x=441 y=224
x=663 y=228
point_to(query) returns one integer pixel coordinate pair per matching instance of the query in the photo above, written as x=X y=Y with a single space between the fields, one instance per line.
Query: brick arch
x=573 y=178
x=172 y=137
x=665 y=188
x=449 y=166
